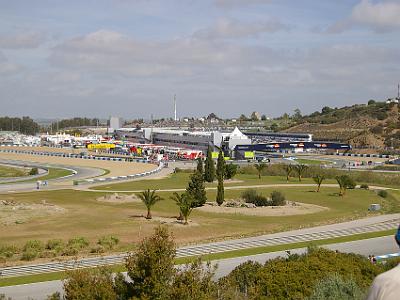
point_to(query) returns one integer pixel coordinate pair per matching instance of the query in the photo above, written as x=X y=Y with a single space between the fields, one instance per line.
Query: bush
x=277 y=198
x=383 y=193
x=108 y=242
x=296 y=276
x=29 y=254
x=230 y=171
x=54 y=244
x=78 y=243
x=33 y=245
x=70 y=251
x=48 y=253
x=364 y=186
x=251 y=196
x=34 y=171
x=335 y=287
x=8 y=251
x=244 y=276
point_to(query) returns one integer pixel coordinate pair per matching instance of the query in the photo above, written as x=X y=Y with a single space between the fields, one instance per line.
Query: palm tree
x=288 y=170
x=318 y=180
x=342 y=180
x=300 y=169
x=260 y=167
x=185 y=204
x=149 y=198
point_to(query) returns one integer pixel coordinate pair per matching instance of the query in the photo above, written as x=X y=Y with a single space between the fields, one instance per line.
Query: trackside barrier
x=116 y=178
x=363 y=155
x=387 y=256
x=93 y=180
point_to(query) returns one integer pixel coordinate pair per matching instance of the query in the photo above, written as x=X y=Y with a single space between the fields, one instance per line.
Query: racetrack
x=115 y=168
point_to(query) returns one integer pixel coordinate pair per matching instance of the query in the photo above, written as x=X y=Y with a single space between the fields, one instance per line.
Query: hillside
x=376 y=125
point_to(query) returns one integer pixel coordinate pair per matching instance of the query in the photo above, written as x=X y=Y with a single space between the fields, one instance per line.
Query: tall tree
x=151 y=266
x=260 y=167
x=196 y=189
x=220 y=176
x=288 y=170
x=200 y=167
x=209 y=167
x=185 y=205
x=149 y=198
x=318 y=180
x=300 y=169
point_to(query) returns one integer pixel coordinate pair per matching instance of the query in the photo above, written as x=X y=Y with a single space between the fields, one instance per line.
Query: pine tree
x=196 y=189
x=209 y=168
x=200 y=167
x=220 y=176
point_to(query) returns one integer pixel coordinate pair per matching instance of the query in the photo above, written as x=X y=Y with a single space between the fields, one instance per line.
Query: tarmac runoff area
x=115 y=168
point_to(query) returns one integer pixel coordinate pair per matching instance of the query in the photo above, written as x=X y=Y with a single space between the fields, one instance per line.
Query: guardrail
x=93 y=180
x=363 y=155
x=117 y=178
x=73 y=155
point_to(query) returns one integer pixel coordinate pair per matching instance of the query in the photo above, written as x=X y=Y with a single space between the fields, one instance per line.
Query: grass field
x=85 y=216
x=180 y=180
x=307 y=161
x=6 y=171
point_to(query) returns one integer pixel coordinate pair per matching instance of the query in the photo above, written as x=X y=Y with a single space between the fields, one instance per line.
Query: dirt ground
x=116 y=168
x=290 y=209
x=118 y=198
x=14 y=213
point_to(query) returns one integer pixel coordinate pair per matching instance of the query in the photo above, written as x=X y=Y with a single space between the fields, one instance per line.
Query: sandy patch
x=165 y=220
x=117 y=198
x=116 y=168
x=12 y=213
x=290 y=209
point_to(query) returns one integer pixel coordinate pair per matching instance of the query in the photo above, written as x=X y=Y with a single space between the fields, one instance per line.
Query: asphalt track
x=56 y=183
x=376 y=246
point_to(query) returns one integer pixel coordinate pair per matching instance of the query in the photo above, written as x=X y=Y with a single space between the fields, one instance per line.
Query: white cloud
x=379 y=17
x=8 y=68
x=238 y=3
x=232 y=28
x=21 y=40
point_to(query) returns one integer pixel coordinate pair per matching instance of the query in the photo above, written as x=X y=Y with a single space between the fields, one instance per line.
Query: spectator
x=386 y=286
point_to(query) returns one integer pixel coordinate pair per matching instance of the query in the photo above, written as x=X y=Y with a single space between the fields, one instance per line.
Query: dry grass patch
x=239 y=207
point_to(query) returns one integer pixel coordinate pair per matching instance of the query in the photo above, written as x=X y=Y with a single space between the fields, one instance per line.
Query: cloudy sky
x=129 y=57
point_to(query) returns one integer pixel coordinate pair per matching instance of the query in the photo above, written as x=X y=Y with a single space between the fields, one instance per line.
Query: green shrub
x=34 y=171
x=108 y=242
x=230 y=171
x=244 y=276
x=296 y=276
x=29 y=254
x=277 y=198
x=8 y=251
x=334 y=287
x=78 y=242
x=33 y=245
x=48 y=254
x=383 y=193
x=54 y=244
x=251 y=196
x=364 y=186
x=70 y=251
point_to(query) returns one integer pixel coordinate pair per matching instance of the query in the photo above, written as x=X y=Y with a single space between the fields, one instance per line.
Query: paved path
x=376 y=246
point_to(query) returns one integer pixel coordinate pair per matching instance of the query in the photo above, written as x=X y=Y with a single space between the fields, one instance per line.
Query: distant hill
x=373 y=125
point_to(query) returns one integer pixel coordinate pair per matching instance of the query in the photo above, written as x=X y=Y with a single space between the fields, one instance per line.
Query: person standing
x=386 y=286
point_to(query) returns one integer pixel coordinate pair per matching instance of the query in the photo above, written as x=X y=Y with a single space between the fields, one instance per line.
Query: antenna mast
x=175 y=118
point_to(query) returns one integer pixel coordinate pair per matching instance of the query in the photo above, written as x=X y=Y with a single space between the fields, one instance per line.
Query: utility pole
x=175 y=118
